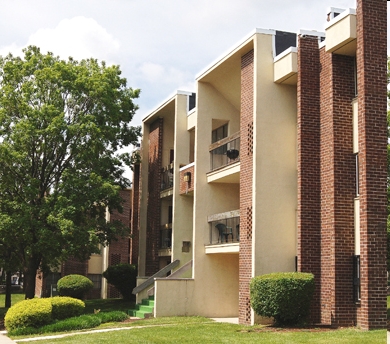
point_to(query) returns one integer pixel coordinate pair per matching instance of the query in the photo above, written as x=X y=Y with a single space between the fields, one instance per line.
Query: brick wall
x=309 y=183
x=371 y=68
x=73 y=266
x=337 y=89
x=119 y=251
x=134 y=226
x=186 y=187
x=153 y=203
x=246 y=177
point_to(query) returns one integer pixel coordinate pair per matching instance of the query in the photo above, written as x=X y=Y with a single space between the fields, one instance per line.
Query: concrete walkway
x=4 y=339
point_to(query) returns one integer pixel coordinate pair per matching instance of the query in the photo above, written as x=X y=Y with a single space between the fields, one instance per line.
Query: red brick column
x=153 y=212
x=337 y=89
x=371 y=72
x=119 y=251
x=134 y=221
x=309 y=182
x=246 y=177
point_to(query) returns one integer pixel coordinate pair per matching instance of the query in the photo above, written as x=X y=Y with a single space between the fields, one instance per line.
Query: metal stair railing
x=177 y=273
x=160 y=273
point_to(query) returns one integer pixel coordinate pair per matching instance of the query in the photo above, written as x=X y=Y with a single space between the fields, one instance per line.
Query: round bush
x=66 y=307
x=28 y=313
x=75 y=286
x=123 y=277
x=284 y=296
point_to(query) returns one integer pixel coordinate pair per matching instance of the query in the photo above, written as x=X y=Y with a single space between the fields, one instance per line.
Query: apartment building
x=279 y=165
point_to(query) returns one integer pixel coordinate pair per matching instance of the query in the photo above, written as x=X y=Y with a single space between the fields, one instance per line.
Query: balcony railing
x=165 y=237
x=225 y=228
x=167 y=177
x=225 y=152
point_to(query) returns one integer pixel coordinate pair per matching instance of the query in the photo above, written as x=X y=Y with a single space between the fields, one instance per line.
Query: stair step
x=143 y=310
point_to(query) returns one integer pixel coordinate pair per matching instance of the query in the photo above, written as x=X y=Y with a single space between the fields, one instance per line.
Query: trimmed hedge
x=123 y=277
x=66 y=307
x=81 y=322
x=37 y=312
x=284 y=296
x=75 y=286
x=28 y=313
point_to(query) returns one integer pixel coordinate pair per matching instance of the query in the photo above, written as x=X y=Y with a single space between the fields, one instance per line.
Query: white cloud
x=79 y=37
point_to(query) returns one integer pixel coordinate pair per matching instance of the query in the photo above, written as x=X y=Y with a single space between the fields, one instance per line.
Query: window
x=219 y=133
x=357 y=173
x=96 y=279
x=356 y=278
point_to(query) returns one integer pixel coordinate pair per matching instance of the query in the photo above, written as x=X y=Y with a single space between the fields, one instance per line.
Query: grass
x=201 y=330
x=15 y=298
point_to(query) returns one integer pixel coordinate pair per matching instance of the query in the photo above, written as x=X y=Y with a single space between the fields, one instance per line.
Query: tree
x=62 y=123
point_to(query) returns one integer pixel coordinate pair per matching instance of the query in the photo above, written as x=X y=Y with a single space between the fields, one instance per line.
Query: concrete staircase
x=143 y=310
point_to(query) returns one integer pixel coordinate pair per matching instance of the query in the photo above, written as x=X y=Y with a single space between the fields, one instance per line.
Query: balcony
x=341 y=34
x=286 y=67
x=224 y=235
x=186 y=179
x=166 y=181
x=165 y=240
x=225 y=152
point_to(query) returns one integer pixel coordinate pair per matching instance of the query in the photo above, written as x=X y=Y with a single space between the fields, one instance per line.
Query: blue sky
x=161 y=45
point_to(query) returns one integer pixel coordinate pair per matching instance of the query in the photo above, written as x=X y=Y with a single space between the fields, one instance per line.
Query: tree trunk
x=8 y=287
x=29 y=277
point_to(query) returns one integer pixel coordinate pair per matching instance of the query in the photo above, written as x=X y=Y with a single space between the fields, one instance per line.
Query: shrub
x=75 y=323
x=75 y=286
x=114 y=316
x=284 y=296
x=28 y=313
x=66 y=307
x=123 y=277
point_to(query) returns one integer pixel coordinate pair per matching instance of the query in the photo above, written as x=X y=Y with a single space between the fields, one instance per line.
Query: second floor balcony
x=167 y=177
x=225 y=152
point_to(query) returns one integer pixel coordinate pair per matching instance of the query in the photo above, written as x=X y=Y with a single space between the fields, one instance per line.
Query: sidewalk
x=4 y=339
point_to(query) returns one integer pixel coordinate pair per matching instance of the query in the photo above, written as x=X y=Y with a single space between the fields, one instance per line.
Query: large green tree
x=62 y=123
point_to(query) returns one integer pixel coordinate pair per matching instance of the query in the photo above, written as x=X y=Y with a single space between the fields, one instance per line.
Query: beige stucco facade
x=212 y=287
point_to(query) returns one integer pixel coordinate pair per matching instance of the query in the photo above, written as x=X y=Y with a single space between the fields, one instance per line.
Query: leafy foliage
x=123 y=277
x=284 y=296
x=66 y=307
x=28 y=313
x=61 y=125
x=75 y=286
x=81 y=322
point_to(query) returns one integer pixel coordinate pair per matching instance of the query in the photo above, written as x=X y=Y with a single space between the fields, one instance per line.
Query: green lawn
x=201 y=330
x=15 y=297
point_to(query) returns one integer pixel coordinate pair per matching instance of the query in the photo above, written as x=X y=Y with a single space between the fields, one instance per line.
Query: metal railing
x=225 y=152
x=162 y=273
x=165 y=237
x=167 y=177
x=225 y=231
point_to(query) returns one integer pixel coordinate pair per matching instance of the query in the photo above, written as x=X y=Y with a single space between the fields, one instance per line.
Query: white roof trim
x=233 y=48
x=285 y=53
x=165 y=102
